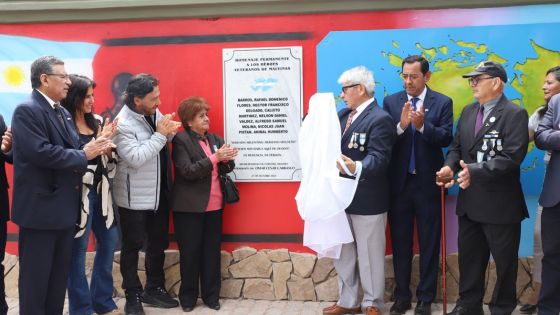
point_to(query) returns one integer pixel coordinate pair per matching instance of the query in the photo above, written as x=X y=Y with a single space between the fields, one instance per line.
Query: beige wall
x=17 y=11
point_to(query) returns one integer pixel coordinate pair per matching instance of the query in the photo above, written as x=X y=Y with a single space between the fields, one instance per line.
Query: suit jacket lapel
x=53 y=117
x=403 y=99
x=212 y=142
x=196 y=145
x=70 y=128
x=428 y=101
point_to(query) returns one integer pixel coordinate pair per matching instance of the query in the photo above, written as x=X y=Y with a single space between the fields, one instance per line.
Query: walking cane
x=443 y=180
x=443 y=253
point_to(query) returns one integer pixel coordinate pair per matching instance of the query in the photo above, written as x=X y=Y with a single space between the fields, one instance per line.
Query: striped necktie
x=349 y=121
x=58 y=112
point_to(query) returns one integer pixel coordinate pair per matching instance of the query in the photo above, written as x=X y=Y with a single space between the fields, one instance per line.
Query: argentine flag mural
x=18 y=52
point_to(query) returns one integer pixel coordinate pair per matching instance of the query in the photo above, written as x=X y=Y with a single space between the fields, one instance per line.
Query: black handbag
x=231 y=194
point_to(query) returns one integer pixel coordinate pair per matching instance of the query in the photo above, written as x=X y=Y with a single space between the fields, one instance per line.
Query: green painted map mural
x=527 y=51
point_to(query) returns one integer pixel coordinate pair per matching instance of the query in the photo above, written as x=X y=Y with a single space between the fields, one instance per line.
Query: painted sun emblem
x=14 y=76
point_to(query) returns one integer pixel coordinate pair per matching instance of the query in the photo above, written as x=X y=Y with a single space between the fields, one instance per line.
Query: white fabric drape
x=323 y=195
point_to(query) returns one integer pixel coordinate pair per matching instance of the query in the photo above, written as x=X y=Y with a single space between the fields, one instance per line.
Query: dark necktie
x=479 y=119
x=58 y=112
x=349 y=121
x=412 y=161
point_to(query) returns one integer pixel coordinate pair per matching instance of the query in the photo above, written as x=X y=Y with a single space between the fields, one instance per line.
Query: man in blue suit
x=368 y=134
x=48 y=169
x=548 y=138
x=424 y=120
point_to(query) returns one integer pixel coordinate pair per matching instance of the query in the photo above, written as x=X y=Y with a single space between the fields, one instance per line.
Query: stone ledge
x=281 y=275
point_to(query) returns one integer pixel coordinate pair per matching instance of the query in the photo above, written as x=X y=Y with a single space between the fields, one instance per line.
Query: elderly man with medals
x=487 y=150
x=363 y=124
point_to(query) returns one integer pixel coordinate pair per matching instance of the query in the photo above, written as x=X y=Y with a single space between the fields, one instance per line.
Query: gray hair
x=40 y=66
x=358 y=75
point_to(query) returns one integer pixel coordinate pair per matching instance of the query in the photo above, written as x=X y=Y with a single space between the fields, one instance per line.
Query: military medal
x=492 y=152
x=484 y=145
x=350 y=144
x=362 y=141
x=499 y=146
x=356 y=140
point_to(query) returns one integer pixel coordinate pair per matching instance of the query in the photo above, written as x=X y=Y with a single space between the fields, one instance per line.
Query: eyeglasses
x=345 y=88
x=412 y=76
x=474 y=81
x=63 y=76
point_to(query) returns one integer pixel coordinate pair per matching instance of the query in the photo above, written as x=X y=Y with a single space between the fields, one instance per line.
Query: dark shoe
x=400 y=307
x=528 y=309
x=159 y=297
x=133 y=305
x=462 y=310
x=423 y=308
x=187 y=308
x=215 y=306
x=339 y=310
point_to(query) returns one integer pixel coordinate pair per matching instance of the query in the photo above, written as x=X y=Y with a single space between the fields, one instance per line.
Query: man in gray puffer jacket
x=141 y=189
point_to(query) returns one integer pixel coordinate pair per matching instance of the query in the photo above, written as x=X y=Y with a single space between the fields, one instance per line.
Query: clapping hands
x=7 y=141
x=226 y=153
x=167 y=126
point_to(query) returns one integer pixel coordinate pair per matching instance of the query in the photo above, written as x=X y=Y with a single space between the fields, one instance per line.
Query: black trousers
x=3 y=238
x=414 y=205
x=44 y=264
x=549 y=300
x=476 y=242
x=137 y=227
x=199 y=236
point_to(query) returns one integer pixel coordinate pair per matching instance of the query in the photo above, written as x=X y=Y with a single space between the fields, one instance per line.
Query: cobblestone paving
x=246 y=307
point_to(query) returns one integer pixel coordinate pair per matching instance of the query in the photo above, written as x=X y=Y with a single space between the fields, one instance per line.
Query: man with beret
x=487 y=150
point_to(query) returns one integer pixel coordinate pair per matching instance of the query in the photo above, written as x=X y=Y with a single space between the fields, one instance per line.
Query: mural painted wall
x=187 y=56
x=527 y=51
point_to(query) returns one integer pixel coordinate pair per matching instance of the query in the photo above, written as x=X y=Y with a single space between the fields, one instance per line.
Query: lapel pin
x=492 y=119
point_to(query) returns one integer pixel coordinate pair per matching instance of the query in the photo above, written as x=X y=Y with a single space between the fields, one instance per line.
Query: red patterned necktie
x=349 y=121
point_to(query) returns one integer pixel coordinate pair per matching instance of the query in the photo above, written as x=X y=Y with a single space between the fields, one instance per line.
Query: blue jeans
x=98 y=298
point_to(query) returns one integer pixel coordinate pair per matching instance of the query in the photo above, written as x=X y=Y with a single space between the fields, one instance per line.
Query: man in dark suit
x=48 y=169
x=424 y=120
x=548 y=138
x=368 y=134
x=5 y=156
x=489 y=145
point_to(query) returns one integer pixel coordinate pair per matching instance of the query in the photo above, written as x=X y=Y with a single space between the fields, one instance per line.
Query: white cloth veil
x=323 y=195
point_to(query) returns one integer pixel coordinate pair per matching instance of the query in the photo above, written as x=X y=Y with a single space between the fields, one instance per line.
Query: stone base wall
x=277 y=274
